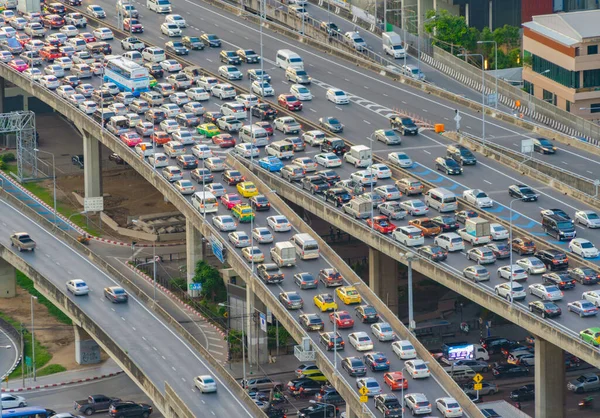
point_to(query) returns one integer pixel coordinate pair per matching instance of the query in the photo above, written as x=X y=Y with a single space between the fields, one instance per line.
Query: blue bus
x=28 y=412
x=127 y=75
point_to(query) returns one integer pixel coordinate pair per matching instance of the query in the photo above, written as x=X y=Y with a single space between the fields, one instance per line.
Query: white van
x=159 y=6
x=441 y=199
x=287 y=58
x=307 y=247
x=280 y=149
x=205 y=202
x=154 y=54
x=253 y=134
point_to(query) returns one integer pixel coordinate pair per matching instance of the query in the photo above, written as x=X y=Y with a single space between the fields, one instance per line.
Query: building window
x=591 y=78
x=592 y=49
x=567 y=105
x=555 y=72
x=549 y=97
x=595 y=108
x=577 y=51
x=528 y=87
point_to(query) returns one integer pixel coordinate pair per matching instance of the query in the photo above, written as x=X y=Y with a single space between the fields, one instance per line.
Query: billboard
x=461 y=352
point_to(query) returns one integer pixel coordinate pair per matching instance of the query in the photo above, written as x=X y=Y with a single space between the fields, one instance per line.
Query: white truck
x=359 y=155
x=392 y=44
x=359 y=207
x=27 y=6
x=284 y=254
x=476 y=231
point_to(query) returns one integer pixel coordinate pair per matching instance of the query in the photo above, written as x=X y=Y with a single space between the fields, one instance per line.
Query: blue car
x=272 y=164
x=376 y=361
x=582 y=308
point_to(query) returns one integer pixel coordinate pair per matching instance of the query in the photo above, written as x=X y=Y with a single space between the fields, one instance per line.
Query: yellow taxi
x=325 y=302
x=348 y=294
x=318 y=377
x=247 y=189
x=152 y=80
x=208 y=130
x=242 y=212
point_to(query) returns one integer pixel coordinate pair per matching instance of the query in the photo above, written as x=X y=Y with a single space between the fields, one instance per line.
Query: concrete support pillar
x=350 y=413
x=92 y=166
x=258 y=350
x=384 y=278
x=2 y=94
x=549 y=380
x=195 y=252
x=423 y=6
x=87 y=350
x=8 y=279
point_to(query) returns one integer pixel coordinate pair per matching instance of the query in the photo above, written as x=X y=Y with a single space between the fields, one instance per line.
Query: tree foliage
x=213 y=287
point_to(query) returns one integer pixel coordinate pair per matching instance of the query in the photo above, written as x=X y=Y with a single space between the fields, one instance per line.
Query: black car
x=270 y=273
x=260 y=202
x=154 y=69
x=229 y=57
x=406 y=126
x=337 y=196
x=335 y=145
x=543 y=146
x=248 y=56
x=330 y=176
x=187 y=161
x=178 y=48
x=509 y=370
x=523 y=192
x=448 y=165
x=500 y=250
x=315 y=184
x=304 y=387
x=524 y=393
x=354 y=366
x=232 y=177
x=318 y=410
x=129 y=409
x=584 y=275
x=258 y=74
x=330 y=395
x=367 y=314
x=273 y=412
x=311 y=322
x=448 y=223
x=494 y=344
x=192 y=42
x=461 y=155
x=211 y=40
x=264 y=111
x=433 y=252
x=331 y=123
x=553 y=259
x=561 y=280
x=545 y=308
x=388 y=405
x=331 y=29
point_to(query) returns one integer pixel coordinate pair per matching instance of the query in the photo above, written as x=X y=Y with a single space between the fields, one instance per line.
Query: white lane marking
x=425 y=110
x=134 y=328
x=123 y=318
x=488 y=182
x=144 y=338
x=154 y=348
x=427 y=152
x=183 y=378
x=164 y=358
x=565 y=163
x=366 y=121
x=312 y=110
x=174 y=369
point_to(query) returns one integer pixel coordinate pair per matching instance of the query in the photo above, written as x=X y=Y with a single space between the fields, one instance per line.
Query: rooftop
x=567 y=28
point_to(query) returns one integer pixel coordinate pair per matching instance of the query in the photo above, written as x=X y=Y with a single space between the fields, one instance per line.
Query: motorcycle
x=84 y=239
x=586 y=403
x=464 y=327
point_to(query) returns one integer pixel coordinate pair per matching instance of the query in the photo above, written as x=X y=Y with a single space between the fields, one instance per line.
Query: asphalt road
x=152 y=344
x=373 y=96
x=11 y=351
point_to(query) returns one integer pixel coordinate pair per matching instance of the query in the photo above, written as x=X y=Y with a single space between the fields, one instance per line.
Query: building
x=561 y=61
x=500 y=409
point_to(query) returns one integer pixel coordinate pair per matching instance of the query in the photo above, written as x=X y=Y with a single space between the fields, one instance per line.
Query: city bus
x=127 y=75
x=28 y=412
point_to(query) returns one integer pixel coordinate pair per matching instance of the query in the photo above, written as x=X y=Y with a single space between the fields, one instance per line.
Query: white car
x=10 y=401
x=551 y=293
x=389 y=192
x=478 y=197
x=171 y=66
x=592 y=296
x=205 y=384
x=174 y=149
x=498 y=232
x=371 y=384
x=415 y=207
x=588 y=218
x=417 y=403
x=65 y=62
x=448 y=407
x=158 y=160
x=201 y=151
x=69 y=30
x=306 y=163
x=65 y=91
x=18 y=23
x=410 y=236
x=301 y=92
x=230 y=72
x=179 y=98
x=88 y=107
x=337 y=96
x=33 y=74
x=6 y=56
x=328 y=160
x=518 y=272
x=583 y=247
x=253 y=254
x=104 y=34
x=195 y=108
x=239 y=238
x=50 y=82
x=404 y=349
x=279 y=223
x=360 y=341
x=184 y=187
x=314 y=138
x=76 y=99
x=176 y=20
x=383 y=331
x=225 y=223
x=215 y=164
x=216 y=189
x=248 y=100
x=184 y=136
x=504 y=290
x=262 y=88
x=417 y=369
x=170 y=29
x=111 y=87
x=169 y=126
x=246 y=150
x=532 y=265
x=381 y=171
x=223 y=91
x=55 y=70
x=450 y=241
x=96 y=11
x=364 y=178
x=77 y=287
x=262 y=235
x=119 y=108
x=197 y=93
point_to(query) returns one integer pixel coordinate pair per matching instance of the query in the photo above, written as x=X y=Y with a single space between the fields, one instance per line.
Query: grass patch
x=46 y=195
x=27 y=284
x=51 y=369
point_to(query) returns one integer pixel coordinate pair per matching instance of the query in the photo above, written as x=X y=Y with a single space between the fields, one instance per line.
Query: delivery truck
x=392 y=45
x=476 y=231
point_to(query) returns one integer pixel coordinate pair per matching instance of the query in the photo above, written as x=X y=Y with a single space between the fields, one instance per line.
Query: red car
x=132 y=25
x=87 y=37
x=53 y=21
x=22 y=38
x=131 y=138
x=342 y=318
x=382 y=224
x=50 y=53
x=160 y=137
x=18 y=65
x=224 y=140
x=266 y=126
x=395 y=380
x=230 y=200
x=289 y=101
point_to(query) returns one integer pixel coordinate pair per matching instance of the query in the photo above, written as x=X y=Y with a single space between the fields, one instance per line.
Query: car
x=518 y=273
x=592 y=296
x=247 y=189
x=129 y=409
x=325 y=302
x=176 y=20
x=116 y=294
x=591 y=336
x=589 y=218
x=337 y=96
x=279 y=223
x=262 y=88
x=291 y=300
x=583 y=248
x=417 y=403
x=562 y=280
x=545 y=309
x=543 y=146
x=509 y=370
x=305 y=370
x=584 y=275
x=367 y=314
x=360 y=341
x=242 y=212
x=433 y=252
x=414 y=207
x=476 y=273
x=96 y=11
x=271 y=164
x=253 y=254
x=260 y=384
x=289 y=101
x=381 y=224
x=77 y=287
x=389 y=137
x=332 y=341
x=23 y=241
x=481 y=255
x=18 y=65
x=303 y=94
x=551 y=292
x=381 y=171
x=229 y=200
x=532 y=265
x=305 y=280
x=487 y=388
x=262 y=235
x=371 y=384
x=383 y=331
x=103 y=34
x=170 y=29
x=523 y=246
x=132 y=43
x=224 y=223
x=514 y=292
x=348 y=294
x=230 y=72
x=523 y=192
x=388 y=405
x=311 y=322
x=354 y=366
x=184 y=187
x=328 y=160
x=448 y=407
x=205 y=384
x=239 y=239
x=523 y=393
x=448 y=165
x=248 y=56
x=478 y=197
x=582 y=308
x=342 y=319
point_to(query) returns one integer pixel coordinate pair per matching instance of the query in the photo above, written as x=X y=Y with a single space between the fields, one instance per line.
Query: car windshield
x=293 y=296
x=588 y=272
x=315 y=320
x=369 y=311
x=386 y=328
x=372 y=384
x=417 y=203
x=118 y=291
x=420 y=366
x=340 y=93
x=364 y=338
x=592 y=216
x=587 y=244
x=408 y=347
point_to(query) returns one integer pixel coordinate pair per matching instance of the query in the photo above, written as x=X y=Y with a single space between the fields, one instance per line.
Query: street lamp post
x=335 y=327
x=371 y=172
x=510 y=237
x=53 y=178
x=411 y=321
x=153 y=262
x=243 y=345
x=482 y=93
x=33 y=338
x=495 y=66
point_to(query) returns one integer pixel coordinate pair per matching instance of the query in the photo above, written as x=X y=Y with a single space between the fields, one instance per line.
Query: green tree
x=284 y=336
x=507 y=36
x=451 y=30
x=213 y=287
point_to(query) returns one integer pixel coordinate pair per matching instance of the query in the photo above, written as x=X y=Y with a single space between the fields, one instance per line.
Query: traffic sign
x=364 y=399
x=363 y=391
x=217 y=248
x=478 y=386
x=195 y=286
x=478 y=378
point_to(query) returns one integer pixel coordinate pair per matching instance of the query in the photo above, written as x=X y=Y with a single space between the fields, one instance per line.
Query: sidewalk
x=283 y=365
x=107 y=369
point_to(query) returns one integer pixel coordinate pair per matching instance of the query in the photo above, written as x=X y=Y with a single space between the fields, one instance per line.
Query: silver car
x=482 y=255
x=588 y=218
x=532 y=265
x=476 y=273
x=388 y=192
x=401 y=159
x=551 y=293
x=216 y=189
x=383 y=331
x=417 y=403
x=224 y=223
x=392 y=210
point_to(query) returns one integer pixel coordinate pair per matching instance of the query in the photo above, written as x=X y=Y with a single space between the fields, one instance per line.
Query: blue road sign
x=217 y=248
x=195 y=286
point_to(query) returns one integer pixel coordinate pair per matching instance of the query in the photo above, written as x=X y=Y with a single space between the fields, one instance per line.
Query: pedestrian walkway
x=282 y=365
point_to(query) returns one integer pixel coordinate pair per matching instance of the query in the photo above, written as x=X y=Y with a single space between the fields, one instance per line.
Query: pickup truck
x=351 y=187
x=476 y=231
x=426 y=225
x=94 y=404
